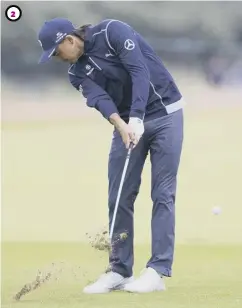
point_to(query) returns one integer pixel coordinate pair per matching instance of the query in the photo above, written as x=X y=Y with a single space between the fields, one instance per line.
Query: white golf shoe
x=106 y=283
x=149 y=281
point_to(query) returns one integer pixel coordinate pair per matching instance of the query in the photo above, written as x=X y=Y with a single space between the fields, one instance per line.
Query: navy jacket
x=119 y=72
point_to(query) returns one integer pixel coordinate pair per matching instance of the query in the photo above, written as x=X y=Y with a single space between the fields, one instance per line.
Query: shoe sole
x=133 y=291
x=95 y=292
x=141 y=292
x=117 y=288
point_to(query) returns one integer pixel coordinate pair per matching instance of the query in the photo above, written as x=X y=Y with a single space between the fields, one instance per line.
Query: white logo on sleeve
x=80 y=88
x=129 y=44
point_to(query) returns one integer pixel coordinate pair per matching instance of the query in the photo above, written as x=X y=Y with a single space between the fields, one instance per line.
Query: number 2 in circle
x=13 y=13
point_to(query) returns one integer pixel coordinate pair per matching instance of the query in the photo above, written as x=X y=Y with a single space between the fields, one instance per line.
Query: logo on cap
x=60 y=36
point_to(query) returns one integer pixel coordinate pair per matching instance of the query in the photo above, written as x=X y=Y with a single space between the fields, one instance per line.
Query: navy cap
x=52 y=33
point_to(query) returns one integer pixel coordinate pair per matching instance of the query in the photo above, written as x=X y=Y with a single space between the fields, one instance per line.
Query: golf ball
x=216 y=210
x=123 y=236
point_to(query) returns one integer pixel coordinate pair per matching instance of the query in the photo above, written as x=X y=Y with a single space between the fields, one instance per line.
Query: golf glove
x=137 y=127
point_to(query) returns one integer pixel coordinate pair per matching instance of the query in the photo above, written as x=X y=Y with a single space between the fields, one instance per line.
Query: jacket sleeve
x=96 y=97
x=121 y=39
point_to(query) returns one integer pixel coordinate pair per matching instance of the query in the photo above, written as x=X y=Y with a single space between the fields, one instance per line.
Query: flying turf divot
x=57 y=271
x=102 y=242
x=28 y=287
x=99 y=242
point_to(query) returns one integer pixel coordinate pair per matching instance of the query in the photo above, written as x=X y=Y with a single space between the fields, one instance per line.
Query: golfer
x=121 y=76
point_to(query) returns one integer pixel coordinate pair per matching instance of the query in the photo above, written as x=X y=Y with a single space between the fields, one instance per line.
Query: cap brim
x=46 y=55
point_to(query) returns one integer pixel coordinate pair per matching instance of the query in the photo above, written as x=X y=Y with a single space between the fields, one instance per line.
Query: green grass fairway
x=55 y=179
x=54 y=190
x=204 y=276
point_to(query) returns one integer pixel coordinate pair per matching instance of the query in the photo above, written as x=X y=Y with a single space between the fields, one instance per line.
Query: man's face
x=70 y=49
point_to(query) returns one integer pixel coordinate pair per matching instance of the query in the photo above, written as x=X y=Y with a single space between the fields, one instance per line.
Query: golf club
x=120 y=190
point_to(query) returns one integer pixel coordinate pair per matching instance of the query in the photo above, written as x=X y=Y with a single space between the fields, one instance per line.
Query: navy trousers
x=163 y=138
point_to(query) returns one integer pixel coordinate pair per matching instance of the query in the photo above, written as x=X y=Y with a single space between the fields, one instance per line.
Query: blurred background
x=199 y=35
x=55 y=149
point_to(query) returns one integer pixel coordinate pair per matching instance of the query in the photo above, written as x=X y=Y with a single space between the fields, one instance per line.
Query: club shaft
x=120 y=191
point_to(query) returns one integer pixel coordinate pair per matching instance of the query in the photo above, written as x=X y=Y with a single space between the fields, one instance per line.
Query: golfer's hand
x=124 y=129
x=137 y=127
x=126 y=133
